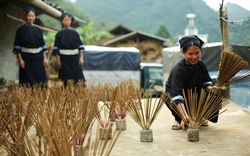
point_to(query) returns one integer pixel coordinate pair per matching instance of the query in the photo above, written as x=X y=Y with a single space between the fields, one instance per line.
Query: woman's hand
x=81 y=61
x=214 y=89
x=58 y=62
x=21 y=63
x=45 y=62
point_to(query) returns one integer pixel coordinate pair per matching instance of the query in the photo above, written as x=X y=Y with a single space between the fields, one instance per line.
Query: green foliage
x=69 y=7
x=90 y=35
x=2 y=81
x=147 y=15
x=50 y=22
x=162 y=31
x=49 y=38
x=240 y=33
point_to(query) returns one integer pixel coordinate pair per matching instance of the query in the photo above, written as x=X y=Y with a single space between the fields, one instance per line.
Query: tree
x=90 y=36
x=241 y=33
x=162 y=31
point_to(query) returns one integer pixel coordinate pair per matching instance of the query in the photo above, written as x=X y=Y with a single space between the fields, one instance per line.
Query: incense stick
x=231 y=64
x=200 y=108
x=144 y=114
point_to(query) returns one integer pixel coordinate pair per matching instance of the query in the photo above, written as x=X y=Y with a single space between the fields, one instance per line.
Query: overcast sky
x=215 y=4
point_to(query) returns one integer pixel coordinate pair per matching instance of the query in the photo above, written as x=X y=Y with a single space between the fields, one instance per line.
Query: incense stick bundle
x=200 y=107
x=16 y=120
x=96 y=146
x=231 y=64
x=144 y=110
x=65 y=115
x=111 y=99
x=54 y=110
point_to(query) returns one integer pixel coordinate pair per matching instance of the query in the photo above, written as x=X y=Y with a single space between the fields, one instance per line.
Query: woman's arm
x=45 y=61
x=81 y=60
x=58 y=62
x=20 y=61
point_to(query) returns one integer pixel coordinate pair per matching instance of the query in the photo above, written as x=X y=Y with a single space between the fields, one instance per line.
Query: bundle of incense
x=96 y=146
x=80 y=140
x=144 y=110
x=111 y=99
x=120 y=113
x=118 y=98
x=231 y=64
x=65 y=116
x=200 y=107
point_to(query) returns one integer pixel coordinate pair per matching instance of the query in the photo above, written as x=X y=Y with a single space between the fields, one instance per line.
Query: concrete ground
x=230 y=136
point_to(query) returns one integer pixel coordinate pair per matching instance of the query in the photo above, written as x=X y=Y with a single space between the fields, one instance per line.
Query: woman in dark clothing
x=189 y=73
x=68 y=49
x=31 y=51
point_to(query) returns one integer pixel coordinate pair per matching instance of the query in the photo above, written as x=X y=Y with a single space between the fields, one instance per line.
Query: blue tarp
x=111 y=58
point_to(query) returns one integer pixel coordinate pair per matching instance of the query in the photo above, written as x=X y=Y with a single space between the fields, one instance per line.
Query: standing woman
x=30 y=48
x=68 y=49
x=188 y=73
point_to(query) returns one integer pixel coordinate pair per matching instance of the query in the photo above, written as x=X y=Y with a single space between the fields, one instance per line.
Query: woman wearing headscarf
x=30 y=48
x=68 y=49
x=188 y=73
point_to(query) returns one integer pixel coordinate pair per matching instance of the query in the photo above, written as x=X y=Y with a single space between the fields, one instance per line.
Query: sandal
x=176 y=126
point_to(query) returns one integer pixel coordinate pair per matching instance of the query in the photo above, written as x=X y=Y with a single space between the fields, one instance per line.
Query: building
x=191 y=28
x=11 y=15
x=150 y=46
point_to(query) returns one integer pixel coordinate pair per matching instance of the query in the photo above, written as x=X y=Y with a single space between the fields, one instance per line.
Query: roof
x=110 y=49
x=120 y=30
x=135 y=34
x=43 y=6
x=123 y=34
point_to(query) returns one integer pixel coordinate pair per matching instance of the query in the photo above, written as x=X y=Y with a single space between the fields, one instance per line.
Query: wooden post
x=224 y=34
x=224 y=27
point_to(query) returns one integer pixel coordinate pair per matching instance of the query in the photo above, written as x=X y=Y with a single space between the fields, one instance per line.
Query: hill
x=147 y=15
x=236 y=12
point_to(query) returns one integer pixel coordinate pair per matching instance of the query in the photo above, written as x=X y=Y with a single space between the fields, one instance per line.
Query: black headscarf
x=188 y=41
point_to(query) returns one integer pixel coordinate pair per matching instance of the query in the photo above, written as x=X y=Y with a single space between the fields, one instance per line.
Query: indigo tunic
x=185 y=76
x=30 y=44
x=69 y=45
